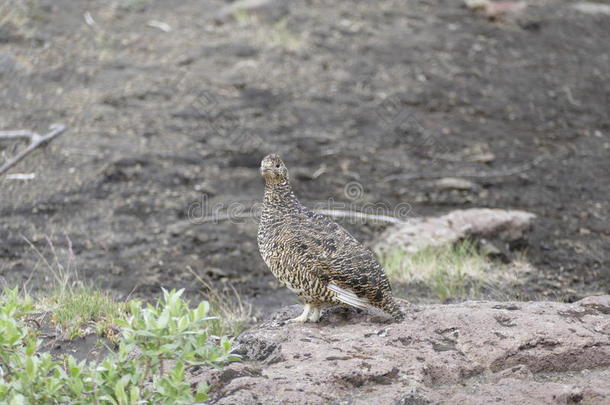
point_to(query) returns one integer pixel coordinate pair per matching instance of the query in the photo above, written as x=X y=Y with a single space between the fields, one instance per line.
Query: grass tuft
x=133 y=5
x=79 y=310
x=451 y=271
x=233 y=315
x=76 y=309
x=86 y=311
x=458 y=271
x=60 y=268
x=14 y=17
x=277 y=34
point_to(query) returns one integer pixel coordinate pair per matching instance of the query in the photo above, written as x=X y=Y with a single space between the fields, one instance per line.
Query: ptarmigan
x=315 y=257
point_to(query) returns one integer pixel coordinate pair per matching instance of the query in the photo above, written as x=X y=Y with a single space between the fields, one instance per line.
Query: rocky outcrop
x=419 y=233
x=469 y=353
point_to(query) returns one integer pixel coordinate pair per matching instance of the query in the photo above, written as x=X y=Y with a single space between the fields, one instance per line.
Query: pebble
x=455 y=183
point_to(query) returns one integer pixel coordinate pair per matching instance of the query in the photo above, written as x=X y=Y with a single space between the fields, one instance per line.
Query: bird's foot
x=303 y=317
x=310 y=314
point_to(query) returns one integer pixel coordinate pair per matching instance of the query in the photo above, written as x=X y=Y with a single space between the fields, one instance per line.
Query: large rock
x=419 y=233
x=469 y=353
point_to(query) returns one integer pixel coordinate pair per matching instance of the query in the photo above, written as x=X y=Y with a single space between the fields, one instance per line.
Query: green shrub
x=158 y=344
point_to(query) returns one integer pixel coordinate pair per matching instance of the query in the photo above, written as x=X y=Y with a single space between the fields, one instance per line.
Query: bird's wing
x=350 y=270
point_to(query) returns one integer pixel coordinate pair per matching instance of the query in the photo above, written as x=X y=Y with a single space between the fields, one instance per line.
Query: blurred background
x=432 y=104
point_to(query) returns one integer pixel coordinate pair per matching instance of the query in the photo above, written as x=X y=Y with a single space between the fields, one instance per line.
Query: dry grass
x=76 y=309
x=274 y=35
x=14 y=14
x=79 y=310
x=456 y=271
x=59 y=268
x=132 y=5
x=234 y=315
x=19 y=17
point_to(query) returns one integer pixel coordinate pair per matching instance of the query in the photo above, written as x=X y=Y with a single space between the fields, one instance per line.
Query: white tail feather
x=348 y=297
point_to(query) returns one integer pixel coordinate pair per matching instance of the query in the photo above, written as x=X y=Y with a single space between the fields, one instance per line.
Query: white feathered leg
x=314 y=316
x=304 y=316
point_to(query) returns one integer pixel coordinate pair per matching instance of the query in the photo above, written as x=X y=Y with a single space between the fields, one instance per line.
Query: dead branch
x=182 y=226
x=35 y=139
x=495 y=173
x=360 y=215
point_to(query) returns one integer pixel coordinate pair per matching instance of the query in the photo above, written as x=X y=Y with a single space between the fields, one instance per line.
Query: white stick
x=35 y=141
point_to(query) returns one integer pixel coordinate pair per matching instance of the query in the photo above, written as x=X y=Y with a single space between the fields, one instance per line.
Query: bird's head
x=273 y=169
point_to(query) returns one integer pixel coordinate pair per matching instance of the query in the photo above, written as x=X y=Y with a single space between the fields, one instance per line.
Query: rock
x=265 y=10
x=501 y=9
x=455 y=183
x=496 y=9
x=596 y=300
x=482 y=157
x=476 y=4
x=471 y=353
x=493 y=250
x=592 y=8
x=419 y=233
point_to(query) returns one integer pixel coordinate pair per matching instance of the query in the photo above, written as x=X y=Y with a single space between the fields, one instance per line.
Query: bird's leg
x=304 y=316
x=314 y=316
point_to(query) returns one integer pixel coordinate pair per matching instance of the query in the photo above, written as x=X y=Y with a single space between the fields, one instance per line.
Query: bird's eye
x=277 y=165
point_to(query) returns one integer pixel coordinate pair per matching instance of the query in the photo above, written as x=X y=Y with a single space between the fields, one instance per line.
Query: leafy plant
x=159 y=343
x=172 y=330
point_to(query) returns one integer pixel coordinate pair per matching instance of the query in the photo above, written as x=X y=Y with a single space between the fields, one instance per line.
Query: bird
x=315 y=257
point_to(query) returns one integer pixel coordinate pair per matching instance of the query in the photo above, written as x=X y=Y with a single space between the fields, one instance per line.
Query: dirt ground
x=167 y=125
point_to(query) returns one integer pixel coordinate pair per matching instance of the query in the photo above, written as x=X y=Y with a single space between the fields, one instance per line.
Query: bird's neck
x=280 y=194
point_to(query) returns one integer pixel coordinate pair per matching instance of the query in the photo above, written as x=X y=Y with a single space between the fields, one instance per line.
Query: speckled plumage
x=314 y=256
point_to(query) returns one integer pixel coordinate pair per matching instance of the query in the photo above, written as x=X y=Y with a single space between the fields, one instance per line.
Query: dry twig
x=35 y=139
